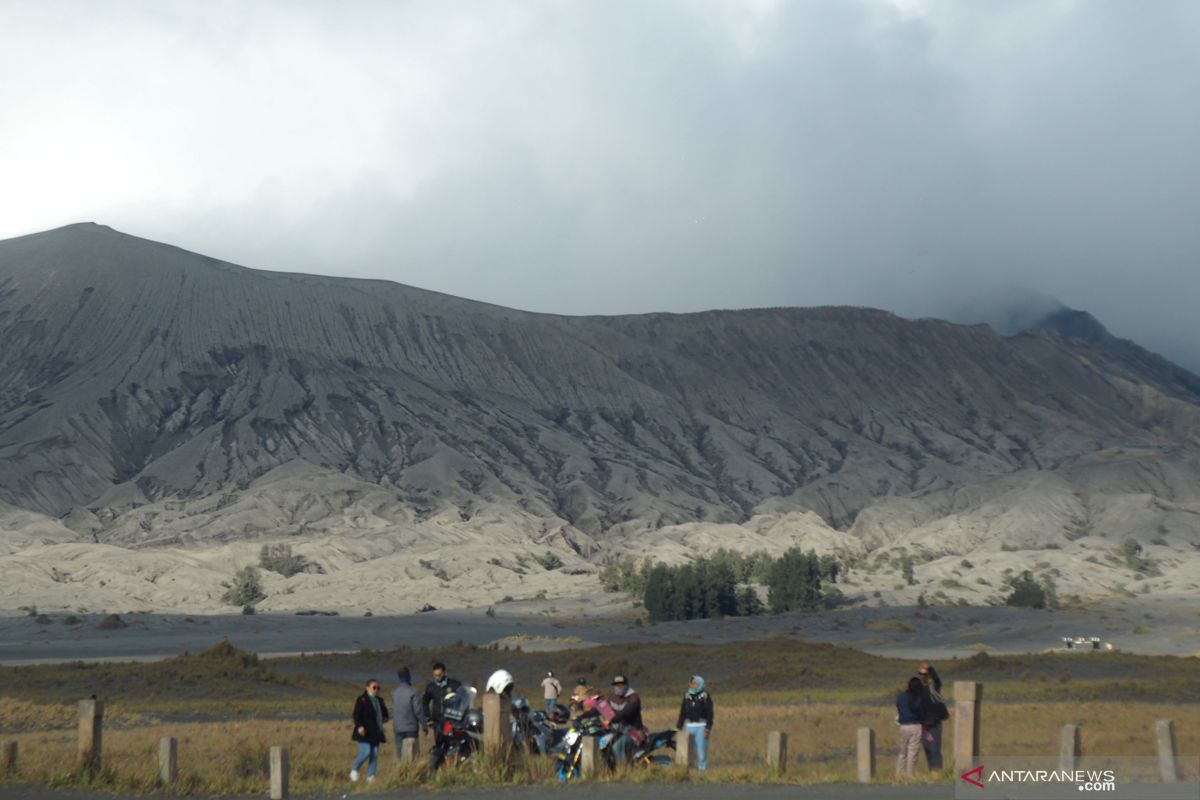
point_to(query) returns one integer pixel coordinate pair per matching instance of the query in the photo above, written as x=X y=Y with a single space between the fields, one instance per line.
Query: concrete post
x=410 y=750
x=8 y=757
x=497 y=724
x=1070 y=749
x=168 y=759
x=589 y=756
x=968 y=696
x=280 y=773
x=1168 y=769
x=91 y=729
x=685 y=750
x=777 y=751
x=866 y=755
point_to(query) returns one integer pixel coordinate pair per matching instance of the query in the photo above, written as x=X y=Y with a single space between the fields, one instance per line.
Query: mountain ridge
x=145 y=392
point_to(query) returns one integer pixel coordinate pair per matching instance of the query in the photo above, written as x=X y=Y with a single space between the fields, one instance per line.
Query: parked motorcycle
x=650 y=753
x=459 y=734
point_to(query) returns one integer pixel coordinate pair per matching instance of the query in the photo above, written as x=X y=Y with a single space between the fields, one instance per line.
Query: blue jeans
x=366 y=751
x=550 y=704
x=933 y=749
x=699 y=742
x=623 y=748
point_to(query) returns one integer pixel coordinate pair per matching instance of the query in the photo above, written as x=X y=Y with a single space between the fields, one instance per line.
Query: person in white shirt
x=551 y=689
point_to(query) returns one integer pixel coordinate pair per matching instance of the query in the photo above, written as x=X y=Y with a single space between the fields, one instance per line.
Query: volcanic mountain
x=164 y=414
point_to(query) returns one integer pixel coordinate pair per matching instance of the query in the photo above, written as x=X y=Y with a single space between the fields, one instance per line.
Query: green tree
x=906 y=569
x=794 y=581
x=659 y=597
x=748 y=603
x=830 y=568
x=280 y=558
x=1026 y=592
x=245 y=588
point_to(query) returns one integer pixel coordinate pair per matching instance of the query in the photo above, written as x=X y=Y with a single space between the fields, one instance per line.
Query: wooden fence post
x=8 y=757
x=777 y=751
x=968 y=697
x=685 y=750
x=91 y=734
x=1070 y=749
x=589 y=756
x=168 y=759
x=280 y=773
x=497 y=724
x=866 y=755
x=1168 y=769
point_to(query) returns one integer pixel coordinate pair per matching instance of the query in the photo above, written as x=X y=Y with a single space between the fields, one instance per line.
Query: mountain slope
x=146 y=391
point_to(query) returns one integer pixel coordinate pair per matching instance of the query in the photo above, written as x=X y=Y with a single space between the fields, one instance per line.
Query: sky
x=932 y=158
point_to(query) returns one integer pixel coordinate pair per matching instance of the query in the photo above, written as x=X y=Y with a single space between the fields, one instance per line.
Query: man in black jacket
x=931 y=737
x=435 y=693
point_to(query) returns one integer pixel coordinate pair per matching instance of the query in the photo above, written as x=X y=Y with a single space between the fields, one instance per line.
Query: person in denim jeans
x=370 y=716
x=931 y=696
x=910 y=713
x=696 y=719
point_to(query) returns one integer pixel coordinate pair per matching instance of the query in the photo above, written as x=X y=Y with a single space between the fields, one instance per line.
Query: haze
x=581 y=158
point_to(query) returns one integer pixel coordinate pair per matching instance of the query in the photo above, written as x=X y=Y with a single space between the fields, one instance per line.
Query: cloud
x=631 y=156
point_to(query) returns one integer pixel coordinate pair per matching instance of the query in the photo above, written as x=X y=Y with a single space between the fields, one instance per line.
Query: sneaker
x=370 y=779
x=353 y=776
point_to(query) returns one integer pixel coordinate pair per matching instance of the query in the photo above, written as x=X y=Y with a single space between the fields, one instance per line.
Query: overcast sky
x=607 y=156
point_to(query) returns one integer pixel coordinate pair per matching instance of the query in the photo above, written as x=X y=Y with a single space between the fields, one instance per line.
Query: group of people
x=920 y=711
x=415 y=713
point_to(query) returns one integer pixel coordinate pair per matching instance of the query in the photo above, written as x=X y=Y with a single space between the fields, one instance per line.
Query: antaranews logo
x=1085 y=780
x=977 y=772
x=1048 y=778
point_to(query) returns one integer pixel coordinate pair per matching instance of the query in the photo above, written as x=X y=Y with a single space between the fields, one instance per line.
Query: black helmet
x=473 y=721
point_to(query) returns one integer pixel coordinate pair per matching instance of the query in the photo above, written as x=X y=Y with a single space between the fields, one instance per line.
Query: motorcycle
x=533 y=730
x=459 y=732
x=646 y=754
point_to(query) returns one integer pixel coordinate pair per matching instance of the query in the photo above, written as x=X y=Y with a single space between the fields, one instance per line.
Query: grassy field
x=227 y=708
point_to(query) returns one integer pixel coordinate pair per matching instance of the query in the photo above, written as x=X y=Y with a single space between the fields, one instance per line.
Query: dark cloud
x=631 y=156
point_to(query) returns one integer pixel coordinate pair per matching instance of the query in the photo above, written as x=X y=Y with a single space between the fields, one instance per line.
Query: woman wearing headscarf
x=910 y=713
x=370 y=716
x=696 y=718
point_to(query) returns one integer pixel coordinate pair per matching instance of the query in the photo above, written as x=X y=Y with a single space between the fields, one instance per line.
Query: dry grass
x=227 y=708
x=231 y=757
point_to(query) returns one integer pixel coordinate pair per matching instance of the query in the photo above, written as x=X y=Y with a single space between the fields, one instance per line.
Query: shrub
x=111 y=623
x=280 y=558
x=246 y=588
x=549 y=561
x=1026 y=592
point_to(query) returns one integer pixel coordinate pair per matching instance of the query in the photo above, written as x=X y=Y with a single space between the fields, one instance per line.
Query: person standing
x=408 y=713
x=551 y=689
x=370 y=717
x=435 y=693
x=696 y=719
x=935 y=713
x=910 y=710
